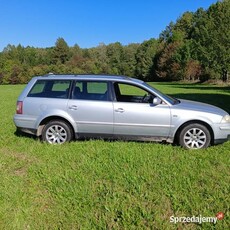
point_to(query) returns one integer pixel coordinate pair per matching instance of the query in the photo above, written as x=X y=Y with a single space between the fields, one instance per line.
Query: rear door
x=91 y=107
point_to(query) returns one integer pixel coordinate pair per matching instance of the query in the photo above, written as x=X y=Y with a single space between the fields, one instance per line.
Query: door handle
x=120 y=110
x=73 y=107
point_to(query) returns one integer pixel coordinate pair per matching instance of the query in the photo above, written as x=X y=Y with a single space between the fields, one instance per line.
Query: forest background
x=194 y=48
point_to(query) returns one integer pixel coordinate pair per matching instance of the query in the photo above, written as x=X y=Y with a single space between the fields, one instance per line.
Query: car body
x=60 y=108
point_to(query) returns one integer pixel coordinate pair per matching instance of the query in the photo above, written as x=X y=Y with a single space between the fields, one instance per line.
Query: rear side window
x=91 y=90
x=50 y=89
x=97 y=87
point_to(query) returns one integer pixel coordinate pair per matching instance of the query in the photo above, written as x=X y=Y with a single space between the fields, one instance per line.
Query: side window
x=131 y=93
x=37 y=89
x=50 y=89
x=97 y=87
x=91 y=90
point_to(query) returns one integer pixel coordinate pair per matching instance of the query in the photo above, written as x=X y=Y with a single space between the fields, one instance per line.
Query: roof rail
x=48 y=74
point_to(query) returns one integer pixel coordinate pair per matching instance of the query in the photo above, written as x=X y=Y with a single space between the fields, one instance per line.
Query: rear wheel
x=57 y=132
x=194 y=136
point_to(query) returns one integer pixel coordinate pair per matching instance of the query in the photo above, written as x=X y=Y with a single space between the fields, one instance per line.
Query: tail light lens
x=19 y=107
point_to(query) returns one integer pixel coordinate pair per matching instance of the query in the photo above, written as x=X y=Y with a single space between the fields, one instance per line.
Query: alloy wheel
x=56 y=134
x=195 y=138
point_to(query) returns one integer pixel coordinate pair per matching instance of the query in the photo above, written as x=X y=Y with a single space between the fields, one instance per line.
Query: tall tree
x=211 y=38
x=61 y=51
x=114 y=53
x=145 y=59
x=129 y=62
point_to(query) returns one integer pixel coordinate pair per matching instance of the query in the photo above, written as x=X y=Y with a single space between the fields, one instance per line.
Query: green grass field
x=111 y=185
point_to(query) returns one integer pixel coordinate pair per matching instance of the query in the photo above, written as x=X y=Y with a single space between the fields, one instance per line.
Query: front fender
x=177 y=122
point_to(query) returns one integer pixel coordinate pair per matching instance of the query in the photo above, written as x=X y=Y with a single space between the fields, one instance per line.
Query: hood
x=201 y=107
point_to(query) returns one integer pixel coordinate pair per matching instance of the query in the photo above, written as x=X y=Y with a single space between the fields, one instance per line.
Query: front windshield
x=169 y=99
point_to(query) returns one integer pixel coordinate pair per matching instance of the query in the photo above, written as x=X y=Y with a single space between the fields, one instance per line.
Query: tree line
x=195 y=47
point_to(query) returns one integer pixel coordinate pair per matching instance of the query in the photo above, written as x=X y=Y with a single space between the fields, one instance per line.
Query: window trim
x=109 y=97
x=131 y=84
x=47 y=85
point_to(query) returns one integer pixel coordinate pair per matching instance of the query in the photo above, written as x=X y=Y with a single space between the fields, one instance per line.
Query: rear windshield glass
x=50 y=89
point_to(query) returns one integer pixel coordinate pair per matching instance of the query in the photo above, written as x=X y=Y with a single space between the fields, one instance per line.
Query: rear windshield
x=50 y=89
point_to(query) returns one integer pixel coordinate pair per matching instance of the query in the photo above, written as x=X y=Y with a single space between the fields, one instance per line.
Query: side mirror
x=157 y=101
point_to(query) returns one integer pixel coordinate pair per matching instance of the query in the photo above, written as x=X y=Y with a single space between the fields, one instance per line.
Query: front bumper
x=220 y=141
x=221 y=133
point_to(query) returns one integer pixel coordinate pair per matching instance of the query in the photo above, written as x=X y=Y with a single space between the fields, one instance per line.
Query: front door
x=135 y=114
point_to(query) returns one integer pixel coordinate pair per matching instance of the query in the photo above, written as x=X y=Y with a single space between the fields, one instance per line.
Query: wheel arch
x=50 y=118
x=176 y=136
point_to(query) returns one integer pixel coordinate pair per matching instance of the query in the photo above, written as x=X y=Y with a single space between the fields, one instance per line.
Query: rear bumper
x=25 y=124
x=24 y=121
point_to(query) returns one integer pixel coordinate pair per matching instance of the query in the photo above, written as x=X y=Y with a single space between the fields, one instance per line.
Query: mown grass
x=111 y=185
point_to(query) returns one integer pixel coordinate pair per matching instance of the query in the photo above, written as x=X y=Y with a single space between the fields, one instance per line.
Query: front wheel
x=57 y=132
x=194 y=136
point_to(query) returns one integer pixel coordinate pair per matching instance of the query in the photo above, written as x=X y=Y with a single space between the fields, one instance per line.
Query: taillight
x=19 y=107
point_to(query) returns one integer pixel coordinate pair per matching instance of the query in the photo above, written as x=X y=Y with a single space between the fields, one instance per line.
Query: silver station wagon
x=59 y=108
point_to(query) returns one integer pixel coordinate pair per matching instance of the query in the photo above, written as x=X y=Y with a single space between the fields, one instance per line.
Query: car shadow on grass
x=19 y=133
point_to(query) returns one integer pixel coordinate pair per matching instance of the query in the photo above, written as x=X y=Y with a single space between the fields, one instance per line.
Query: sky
x=87 y=23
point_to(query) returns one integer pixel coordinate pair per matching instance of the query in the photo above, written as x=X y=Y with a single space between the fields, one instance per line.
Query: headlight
x=226 y=119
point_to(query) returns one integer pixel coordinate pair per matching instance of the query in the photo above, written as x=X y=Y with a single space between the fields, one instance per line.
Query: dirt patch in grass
x=22 y=161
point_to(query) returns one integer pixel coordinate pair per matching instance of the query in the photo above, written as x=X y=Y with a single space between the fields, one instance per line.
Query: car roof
x=100 y=77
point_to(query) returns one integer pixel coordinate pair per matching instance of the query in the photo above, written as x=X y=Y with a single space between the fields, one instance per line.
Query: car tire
x=57 y=132
x=195 y=136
